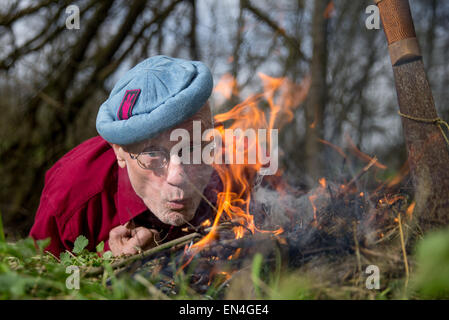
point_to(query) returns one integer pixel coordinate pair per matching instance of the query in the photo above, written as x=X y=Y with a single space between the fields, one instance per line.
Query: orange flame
x=322 y=182
x=227 y=86
x=233 y=203
x=312 y=199
x=410 y=209
x=316 y=193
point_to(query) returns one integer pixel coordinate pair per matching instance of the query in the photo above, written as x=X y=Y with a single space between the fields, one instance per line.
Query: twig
x=387 y=235
x=357 y=252
x=52 y=255
x=75 y=257
x=200 y=193
x=266 y=19
x=401 y=233
x=151 y=288
x=145 y=254
x=227 y=281
x=318 y=250
x=378 y=254
x=331 y=194
x=150 y=252
x=358 y=176
x=357 y=249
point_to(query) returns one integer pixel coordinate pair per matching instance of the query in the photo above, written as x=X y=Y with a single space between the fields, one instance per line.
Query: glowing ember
x=322 y=182
x=389 y=201
x=206 y=223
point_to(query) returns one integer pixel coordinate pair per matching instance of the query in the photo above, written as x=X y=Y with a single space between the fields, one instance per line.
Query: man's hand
x=130 y=239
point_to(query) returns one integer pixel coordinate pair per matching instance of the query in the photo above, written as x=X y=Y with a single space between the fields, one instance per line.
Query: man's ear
x=120 y=154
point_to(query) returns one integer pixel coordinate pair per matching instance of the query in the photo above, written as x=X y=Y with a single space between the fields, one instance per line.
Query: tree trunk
x=316 y=102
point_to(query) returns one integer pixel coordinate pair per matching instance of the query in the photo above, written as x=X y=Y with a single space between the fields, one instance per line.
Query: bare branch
x=291 y=41
x=7 y=20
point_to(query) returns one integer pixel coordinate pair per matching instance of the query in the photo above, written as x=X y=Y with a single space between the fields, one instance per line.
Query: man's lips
x=177 y=204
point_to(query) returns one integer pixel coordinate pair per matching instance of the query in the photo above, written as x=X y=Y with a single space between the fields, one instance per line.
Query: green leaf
x=100 y=247
x=107 y=255
x=431 y=279
x=80 y=243
x=42 y=244
x=65 y=258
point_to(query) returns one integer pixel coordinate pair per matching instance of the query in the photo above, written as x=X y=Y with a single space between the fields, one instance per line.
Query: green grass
x=2 y=233
x=26 y=272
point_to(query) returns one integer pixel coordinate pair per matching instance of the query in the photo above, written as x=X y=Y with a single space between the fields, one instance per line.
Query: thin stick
x=357 y=250
x=378 y=254
x=401 y=233
x=145 y=254
x=318 y=250
x=359 y=175
x=152 y=251
x=200 y=193
x=75 y=257
x=52 y=255
x=151 y=288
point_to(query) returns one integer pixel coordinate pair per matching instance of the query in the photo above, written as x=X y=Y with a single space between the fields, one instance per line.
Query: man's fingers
x=143 y=232
x=129 y=250
x=147 y=235
x=119 y=232
x=144 y=238
x=118 y=236
x=127 y=239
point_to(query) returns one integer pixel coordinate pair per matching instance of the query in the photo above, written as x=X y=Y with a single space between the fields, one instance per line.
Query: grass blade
x=2 y=233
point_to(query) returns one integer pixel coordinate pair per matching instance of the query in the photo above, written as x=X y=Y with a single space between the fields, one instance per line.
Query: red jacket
x=87 y=193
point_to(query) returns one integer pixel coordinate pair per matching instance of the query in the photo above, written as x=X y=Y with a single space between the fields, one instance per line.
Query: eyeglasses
x=151 y=160
x=156 y=159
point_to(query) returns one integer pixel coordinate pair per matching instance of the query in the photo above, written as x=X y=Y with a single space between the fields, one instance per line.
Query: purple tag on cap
x=126 y=107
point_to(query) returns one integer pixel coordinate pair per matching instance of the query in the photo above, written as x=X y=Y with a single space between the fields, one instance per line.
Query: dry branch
x=178 y=243
x=246 y=4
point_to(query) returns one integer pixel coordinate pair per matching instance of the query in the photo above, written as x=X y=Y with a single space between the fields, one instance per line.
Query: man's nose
x=176 y=174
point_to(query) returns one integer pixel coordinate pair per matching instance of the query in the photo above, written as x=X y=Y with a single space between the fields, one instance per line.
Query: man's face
x=172 y=193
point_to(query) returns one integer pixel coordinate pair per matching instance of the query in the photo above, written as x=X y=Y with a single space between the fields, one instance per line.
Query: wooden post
x=428 y=152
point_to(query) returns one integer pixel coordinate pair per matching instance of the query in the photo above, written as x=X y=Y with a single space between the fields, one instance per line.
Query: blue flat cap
x=157 y=94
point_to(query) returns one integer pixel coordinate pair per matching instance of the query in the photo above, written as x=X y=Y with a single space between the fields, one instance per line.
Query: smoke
x=326 y=215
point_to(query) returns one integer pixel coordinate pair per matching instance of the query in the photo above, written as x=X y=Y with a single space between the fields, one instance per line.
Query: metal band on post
x=399 y=30
x=404 y=50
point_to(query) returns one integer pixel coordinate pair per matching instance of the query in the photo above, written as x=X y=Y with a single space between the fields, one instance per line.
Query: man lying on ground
x=125 y=187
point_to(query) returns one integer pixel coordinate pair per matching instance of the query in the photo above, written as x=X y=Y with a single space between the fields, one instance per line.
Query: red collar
x=129 y=204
